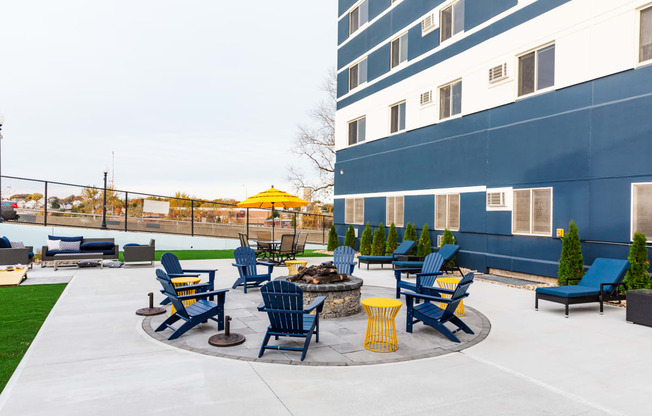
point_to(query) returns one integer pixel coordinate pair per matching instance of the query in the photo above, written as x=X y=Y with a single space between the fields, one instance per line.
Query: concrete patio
x=93 y=357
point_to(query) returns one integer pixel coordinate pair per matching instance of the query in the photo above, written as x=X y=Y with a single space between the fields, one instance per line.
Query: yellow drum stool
x=381 y=329
x=184 y=281
x=450 y=283
x=294 y=265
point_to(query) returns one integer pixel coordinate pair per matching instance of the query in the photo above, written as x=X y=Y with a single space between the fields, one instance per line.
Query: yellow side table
x=294 y=265
x=184 y=281
x=381 y=329
x=450 y=283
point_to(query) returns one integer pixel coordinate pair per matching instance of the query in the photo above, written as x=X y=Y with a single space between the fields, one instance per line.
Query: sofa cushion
x=97 y=246
x=569 y=291
x=30 y=255
x=4 y=243
x=69 y=245
x=54 y=237
x=50 y=253
x=131 y=245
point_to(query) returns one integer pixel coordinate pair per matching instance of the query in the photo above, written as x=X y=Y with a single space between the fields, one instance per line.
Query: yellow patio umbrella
x=273 y=198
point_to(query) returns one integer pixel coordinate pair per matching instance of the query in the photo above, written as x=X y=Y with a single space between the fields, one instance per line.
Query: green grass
x=215 y=254
x=24 y=308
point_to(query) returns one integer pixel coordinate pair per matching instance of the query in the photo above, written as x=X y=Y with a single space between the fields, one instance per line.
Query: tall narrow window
x=447 y=212
x=452 y=20
x=536 y=70
x=394 y=211
x=357 y=130
x=450 y=100
x=532 y=214
x=399 y=50
x=354 y=211
x=642 y=209
x=645 y=48
x=358 y=16
x=358 y=74
x=397 y=117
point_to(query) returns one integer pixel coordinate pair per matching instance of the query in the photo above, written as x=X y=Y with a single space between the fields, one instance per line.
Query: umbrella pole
x=273 y=221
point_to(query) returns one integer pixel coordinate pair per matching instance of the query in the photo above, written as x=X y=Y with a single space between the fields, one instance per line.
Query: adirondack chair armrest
x=430 y=274
x=317 y=303
x=572 y=278
x=199 y=270
x=182 y=275
x=198 y=286
x=202 y=294
x=617 y=285
x=438 y=289
x=428 y=297
x=398 y=272
x=270 y=266
x=261 y=307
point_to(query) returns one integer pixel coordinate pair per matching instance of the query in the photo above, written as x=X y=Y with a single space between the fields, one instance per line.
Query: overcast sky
x=197 y=96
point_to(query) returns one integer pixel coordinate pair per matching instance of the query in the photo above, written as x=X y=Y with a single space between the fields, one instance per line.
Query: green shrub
x=637 y=276
x=365 y=241
x=392 y=239
x=447 y=238
x=410 y=234
x=333 y=241
x=571 y=262
x=424 y=243
x=349 y=238
x=378 y=246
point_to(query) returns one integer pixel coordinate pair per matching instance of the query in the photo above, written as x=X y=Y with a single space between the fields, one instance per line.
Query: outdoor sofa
x=11 y=254
x=104 y=248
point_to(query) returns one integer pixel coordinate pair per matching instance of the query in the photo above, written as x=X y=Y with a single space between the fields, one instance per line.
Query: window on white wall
x=397 y=117
x=642 y=209
x=358 y=74
x=394 y=211
x=358 y=16
x=357 y=130
x=450 y=100
x=645 y=48
x=532 y=213
x=452 y=20
x=398 y=50
x=447 y=212
x=536 y=70
x=354 y=211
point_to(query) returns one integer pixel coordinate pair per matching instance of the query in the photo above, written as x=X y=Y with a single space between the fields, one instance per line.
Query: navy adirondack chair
x=436 y=317
x=173 y=268
x=426 y=275
x=283 y=302
x=245 y=261
x=192 y=315
x=448 y=251
x=600 y=283
x=344 y=259
x=401 y=250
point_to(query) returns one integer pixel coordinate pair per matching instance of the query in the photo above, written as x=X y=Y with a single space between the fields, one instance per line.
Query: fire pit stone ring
x=342 y=298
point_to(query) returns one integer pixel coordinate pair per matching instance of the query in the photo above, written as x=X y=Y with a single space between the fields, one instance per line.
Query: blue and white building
x=500 y=120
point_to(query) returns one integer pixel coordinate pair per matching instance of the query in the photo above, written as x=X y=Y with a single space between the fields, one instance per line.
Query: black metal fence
x=50 y=203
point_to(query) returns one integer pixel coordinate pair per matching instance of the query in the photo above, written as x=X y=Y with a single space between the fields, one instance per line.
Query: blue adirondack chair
x=434 y=316
x=283 y=302
x=343 y=259
x=600 y=283
x=401 y=250
x=245 y=261
x=192 y=315
x=173 y=268
x=448 y=251
x=426 y=275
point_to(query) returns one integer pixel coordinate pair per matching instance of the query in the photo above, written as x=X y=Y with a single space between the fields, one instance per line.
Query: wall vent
x=426 y=97
x=440 y=238
x=428 y=24
x=496 y=199
x=498 y=73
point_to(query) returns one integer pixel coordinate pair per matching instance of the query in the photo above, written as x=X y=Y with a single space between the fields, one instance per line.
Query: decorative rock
x=342 y=298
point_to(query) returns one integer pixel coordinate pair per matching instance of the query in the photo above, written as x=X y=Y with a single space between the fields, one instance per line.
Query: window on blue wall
x=447 y=212
x=451 y=20
x=642 y=209
x=394 y=211
x=357 y=130
x=399 y=50
x=354 y=210
x=536 y=70
x=397 y=117
x=645 y=48
x=450 y=100
x=532 y=212
x=357 y=74
x=358 y=16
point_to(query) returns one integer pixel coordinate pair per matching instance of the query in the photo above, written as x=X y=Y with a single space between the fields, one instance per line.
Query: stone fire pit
x=342 y=297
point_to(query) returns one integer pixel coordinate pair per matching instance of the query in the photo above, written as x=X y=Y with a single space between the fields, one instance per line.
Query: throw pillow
x=69 y=245
x=17 y=244
x=54 y=245
x=4 y=243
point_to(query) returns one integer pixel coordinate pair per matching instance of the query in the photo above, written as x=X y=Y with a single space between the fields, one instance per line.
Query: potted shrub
x=365 y=241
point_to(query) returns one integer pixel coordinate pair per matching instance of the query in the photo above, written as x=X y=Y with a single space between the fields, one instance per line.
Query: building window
x=536 y=70
x=447 y=212
x=645 y=48
x=357 y=130
x=532 y=213
x=450 y=100
x=642 y=209
x=398 y=52
x=397 y=117
x=358 y=74
x=394 y=211
x=354 y=211
x=452 y=20
x=358 y=16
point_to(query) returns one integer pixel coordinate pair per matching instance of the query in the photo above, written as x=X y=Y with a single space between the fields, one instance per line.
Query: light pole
x=2 y=121
x=106 y=171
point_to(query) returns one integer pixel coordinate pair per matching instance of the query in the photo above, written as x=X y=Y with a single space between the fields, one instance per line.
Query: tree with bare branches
x=316 y=143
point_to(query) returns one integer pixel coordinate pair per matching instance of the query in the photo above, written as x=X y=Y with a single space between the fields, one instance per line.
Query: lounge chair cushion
x=131 y=245
x=375 y=258
x=97 y=246
x=569 y=291
x=604 y=271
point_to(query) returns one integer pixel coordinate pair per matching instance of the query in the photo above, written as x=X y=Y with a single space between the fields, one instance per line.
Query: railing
x=50 y=203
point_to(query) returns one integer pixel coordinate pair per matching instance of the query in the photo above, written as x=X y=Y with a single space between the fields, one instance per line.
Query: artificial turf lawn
x=216 y=254
x=24 y=308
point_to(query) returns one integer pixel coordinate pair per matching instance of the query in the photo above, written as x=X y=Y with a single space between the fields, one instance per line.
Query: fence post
x=247 y=223
x=323 y=231
x=126 y=209
x=192 y=217
x=45 y=206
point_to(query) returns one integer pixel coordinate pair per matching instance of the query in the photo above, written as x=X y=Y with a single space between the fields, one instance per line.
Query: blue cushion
x=97 y=246
x=4 y=243
x=30 y=255
x=54 y=237
x=569 y=291
x=376 y=258
x=604 y=271
x=131 y=245
x=53 y=252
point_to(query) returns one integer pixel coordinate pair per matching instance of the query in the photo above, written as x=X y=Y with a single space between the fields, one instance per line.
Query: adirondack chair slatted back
x=287 y=243
x=284 y=305
x=343 y=257
x=171 y=293
x=448 y=251
x=243 y=240
x=431 y=264
x=404 y=248
x=171 y=264
x=246 y=256
x=458 y=295
x=605 y=271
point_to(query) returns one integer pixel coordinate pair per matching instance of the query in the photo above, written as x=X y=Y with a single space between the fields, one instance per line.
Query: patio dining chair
x=285 y=250
x=263 y=249
x=300 y=244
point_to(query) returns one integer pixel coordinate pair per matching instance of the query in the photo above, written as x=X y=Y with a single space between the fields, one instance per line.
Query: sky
x=192 y=96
